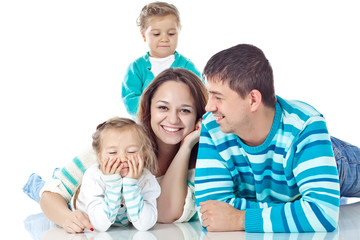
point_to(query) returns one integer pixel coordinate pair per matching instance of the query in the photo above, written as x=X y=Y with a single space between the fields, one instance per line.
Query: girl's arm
x=56 y=210
x=140 y=199
x=174 y=188
x=100 y=197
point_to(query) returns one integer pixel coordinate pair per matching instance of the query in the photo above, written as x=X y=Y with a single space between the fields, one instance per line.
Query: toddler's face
x=119 y=143
x=161 y=35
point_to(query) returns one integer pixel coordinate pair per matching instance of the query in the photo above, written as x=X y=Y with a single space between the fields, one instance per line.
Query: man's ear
x=255 y=99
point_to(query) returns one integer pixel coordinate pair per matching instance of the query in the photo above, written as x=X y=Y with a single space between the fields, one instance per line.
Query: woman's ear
x=255 y=99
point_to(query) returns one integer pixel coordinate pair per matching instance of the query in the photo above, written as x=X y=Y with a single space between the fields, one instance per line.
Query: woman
x=170 y=110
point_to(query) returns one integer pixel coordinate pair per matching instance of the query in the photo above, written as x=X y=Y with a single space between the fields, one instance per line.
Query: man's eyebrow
x=216 y=93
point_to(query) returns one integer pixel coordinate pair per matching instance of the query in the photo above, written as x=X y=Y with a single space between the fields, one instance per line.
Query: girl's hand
x=111 y=166
x=136 y=165
x=193 y=137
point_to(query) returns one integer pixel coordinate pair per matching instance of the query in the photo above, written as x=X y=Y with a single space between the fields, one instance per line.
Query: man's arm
x=315 y=174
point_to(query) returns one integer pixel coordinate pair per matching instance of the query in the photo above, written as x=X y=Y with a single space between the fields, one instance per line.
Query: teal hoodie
x=139 y=76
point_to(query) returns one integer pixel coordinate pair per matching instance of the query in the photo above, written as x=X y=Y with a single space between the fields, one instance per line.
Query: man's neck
x=262 y=122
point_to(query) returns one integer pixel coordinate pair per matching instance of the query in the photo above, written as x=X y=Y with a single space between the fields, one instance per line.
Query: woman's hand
x=193 y=137
x=136 y=165
x=76 y=222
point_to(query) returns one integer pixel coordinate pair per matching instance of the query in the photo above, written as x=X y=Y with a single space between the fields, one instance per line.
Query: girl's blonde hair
x=146 y=148
x=156 y=9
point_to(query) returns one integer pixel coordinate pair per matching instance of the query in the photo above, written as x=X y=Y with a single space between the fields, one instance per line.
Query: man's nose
x=210 y=107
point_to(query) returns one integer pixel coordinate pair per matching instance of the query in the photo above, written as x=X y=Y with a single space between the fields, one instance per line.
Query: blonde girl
x=120 y=188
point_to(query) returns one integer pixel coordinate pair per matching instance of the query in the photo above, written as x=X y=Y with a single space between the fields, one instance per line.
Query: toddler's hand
x=136 y=165
x=111 y=166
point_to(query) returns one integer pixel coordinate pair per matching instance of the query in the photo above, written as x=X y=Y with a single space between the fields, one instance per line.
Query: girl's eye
x=172 y=34
x=112 y=153
x=156 y=34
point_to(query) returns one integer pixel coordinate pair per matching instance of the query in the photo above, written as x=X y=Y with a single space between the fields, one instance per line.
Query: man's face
x=228 y=107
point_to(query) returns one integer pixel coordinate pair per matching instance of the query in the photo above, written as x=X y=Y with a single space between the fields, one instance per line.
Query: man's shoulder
x=297 y=110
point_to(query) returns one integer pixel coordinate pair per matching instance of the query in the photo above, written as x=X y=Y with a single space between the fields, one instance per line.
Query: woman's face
x=173 y=112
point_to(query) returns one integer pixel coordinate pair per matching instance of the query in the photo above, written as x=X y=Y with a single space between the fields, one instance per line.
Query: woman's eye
x=162 y=107
x=186 y=111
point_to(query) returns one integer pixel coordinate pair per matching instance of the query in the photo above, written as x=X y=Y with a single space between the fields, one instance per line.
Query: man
x=267 y=161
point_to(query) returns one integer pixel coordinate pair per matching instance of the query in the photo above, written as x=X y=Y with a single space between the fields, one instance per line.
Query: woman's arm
x=56 y=210
x=174 y=183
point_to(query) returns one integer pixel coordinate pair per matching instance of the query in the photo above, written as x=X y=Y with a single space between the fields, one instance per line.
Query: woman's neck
x=166 y=154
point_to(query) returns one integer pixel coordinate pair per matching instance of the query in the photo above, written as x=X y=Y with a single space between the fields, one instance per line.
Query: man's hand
x=218 y=216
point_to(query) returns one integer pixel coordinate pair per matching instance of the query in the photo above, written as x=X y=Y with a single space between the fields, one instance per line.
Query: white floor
x=31 y=224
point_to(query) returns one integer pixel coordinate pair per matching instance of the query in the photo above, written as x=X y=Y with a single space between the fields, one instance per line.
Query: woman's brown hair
x=197 y=90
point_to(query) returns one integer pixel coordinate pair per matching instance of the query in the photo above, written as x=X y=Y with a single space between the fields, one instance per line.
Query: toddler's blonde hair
x=156 y=9
x=146 y=148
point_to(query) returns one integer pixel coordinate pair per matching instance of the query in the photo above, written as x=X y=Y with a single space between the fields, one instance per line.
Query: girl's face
x=161 y=35
x=173 y=112
x=118 y=143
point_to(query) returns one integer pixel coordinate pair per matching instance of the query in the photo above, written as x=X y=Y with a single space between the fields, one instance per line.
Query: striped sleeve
x=112 y=196
x=214 y=178
x=67 y=179
x=140 y=200
x=100 y=198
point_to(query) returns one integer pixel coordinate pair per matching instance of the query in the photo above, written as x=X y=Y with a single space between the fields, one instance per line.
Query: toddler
x=120 y=188
x=159 y=24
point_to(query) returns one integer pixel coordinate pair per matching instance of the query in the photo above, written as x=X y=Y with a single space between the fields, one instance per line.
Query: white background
x=62 y=63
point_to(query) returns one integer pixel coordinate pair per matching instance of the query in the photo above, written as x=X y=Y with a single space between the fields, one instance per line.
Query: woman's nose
x=173 y=117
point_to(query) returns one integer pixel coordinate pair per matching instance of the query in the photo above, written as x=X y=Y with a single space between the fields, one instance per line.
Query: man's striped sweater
x=289 y=183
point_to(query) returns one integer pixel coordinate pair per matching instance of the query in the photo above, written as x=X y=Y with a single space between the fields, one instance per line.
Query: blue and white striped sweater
x=288 y=184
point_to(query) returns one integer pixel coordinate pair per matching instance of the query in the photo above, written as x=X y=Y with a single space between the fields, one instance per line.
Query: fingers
x=76 y=222
x=136 y=165
x=198 y=124
x=140 y=161
x=111 y=165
